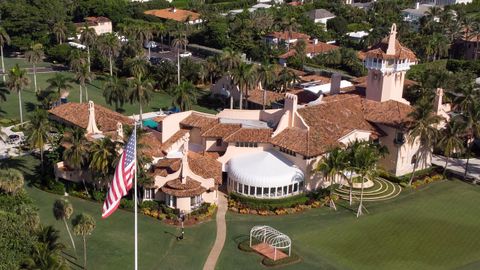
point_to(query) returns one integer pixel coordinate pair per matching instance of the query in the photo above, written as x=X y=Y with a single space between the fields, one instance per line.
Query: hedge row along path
x=380 y=191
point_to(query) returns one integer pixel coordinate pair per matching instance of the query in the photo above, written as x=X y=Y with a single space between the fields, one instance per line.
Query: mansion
x=266 y=153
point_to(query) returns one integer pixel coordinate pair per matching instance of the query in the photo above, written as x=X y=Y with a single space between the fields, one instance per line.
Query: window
x=290 y=190
x=295 y=187
x=246 y=144
x=218 y=142
x=171 y=201
x=399 y=138
x=285 y=190
x=287 y=151
x=265 y=192
x=246 y=188
x=252 y=191
x=149 y=194
x=196 y=200
x=259 y=191
x=272 y=192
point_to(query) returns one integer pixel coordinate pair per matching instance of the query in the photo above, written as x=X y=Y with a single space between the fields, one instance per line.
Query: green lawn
x=111 y=244
x=9 y=109
x=437 y=227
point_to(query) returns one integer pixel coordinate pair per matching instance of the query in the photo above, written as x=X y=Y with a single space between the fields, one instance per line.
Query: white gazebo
x=270 y=239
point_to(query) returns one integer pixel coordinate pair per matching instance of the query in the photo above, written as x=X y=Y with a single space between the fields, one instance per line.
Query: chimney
x=92 y=124
x=392 y=40
x=335 y=84
x=174 y=9
x=291 y=105
x=183 y=173
x=417 y=5
x=438 y=105
x=120 y=130
x=315 y=41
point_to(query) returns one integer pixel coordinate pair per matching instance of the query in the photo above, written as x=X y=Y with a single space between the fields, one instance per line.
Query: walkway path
x=457 y=166
x=221 y=233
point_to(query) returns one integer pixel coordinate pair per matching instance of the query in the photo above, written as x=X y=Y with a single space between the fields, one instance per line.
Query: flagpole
x=136 y=203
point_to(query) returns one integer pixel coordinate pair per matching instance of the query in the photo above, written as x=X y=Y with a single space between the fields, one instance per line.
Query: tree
x=472 y=122
x=75 y=154
x=109 y=45
x=84 y=76
x=103 y=156
x=4 y=40
x=333 y=166
x=88 y=37
x=140 y=91
x=450 y=140
x=114 y=92
x=63 y=209
x=423 y=130
x=46 y=254
x=83 y=225
x=229 y=60
x=211 y=68
x=60 y=31
x=39 y=128
x=17 y=82
x=266 y=77
x=184 y=96
x=138 y=66
x=11 y=181
x=59 y=82
x=286 y=78
x=179 y=43
x=34 y=56
x=245 y=77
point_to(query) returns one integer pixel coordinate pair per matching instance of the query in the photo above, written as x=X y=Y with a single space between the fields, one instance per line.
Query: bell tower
x=387 y=64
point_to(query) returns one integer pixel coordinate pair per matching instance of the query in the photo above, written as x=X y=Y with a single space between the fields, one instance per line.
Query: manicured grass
x=111 y=244
x=436 y=227
x=10 y=62
x=9 y=108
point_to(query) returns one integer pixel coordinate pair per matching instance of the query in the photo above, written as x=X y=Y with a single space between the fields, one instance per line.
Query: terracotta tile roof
x=379 y=51
x=196 y=120
x=221 y=130
x=179 y=15
x=286 y=35
x=166 y=166
x=97 y=19
x=315 y=78
x=256 y=96
x=389 y=113
x=311 y=48
x=77 y=114
x=205 y=166
x=304 y=96
x=259 y=135
x=177 y=189
x=173 y=139
x=150 y=144
x=294 y=139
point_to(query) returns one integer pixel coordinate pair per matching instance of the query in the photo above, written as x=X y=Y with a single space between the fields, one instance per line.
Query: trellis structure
x=271 y=237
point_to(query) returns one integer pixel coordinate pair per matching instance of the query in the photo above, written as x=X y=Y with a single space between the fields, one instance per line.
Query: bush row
x=269 y=204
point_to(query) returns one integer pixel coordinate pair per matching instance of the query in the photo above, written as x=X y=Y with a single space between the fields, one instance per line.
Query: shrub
x=269 y=204
x=59 y=53
x=56 y=187
x=203 y=209
x=151 y=205
x=80 y=194
x=127 y=204
x=98 y=196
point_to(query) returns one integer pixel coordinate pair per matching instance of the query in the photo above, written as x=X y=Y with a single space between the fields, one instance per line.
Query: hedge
x=269 y=204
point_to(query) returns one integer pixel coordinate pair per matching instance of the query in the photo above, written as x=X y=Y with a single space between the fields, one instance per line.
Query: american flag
x=123 y=178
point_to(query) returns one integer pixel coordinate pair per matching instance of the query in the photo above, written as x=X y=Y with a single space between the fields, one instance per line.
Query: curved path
x=380 y=191
x=221 y=233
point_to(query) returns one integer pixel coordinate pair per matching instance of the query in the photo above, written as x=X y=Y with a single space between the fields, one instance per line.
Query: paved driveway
x=458 y=166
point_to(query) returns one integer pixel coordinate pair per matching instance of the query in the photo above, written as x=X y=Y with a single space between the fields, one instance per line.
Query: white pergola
x=271 y=237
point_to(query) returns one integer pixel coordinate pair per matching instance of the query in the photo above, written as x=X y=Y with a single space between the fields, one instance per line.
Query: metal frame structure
x=272 y=237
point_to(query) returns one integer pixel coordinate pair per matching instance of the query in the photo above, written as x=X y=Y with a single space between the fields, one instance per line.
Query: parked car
x=185 y=54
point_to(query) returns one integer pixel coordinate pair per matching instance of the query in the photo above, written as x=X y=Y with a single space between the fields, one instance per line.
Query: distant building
x=467 y=48
x=102 y=25
x=450 y=2
x=175 y=14
x=312 y=49
x=414 y=15
x=320 y=15
x=286 y=37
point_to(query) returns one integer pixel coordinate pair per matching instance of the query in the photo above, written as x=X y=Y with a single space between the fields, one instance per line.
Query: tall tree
x=114 y=92
x=245 y=77
x=63 y=209
x=184 y=95
x=450 y=140
x=178 y=43
x=333 y=166
x=60 y=31
x=140 y=92
x=83 y=225
x=138 y=66
x=4 y=40
x=46 y=253
x=472 y=121
x=75 y=154
x=39 y=128
x=34 y=56
x=59 y=82
x=103 y=155
x=423 y=131
x=83 y=76
x=109 y=45
x=266 y=77
x=88 y=37
x=17 y=82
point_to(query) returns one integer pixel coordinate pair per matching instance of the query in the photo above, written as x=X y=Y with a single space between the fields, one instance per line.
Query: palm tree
x=352 y=167
x=109 y=45
x=114 y=92
x=34 y=56
x=210 y=67
x=146 y=33
x=60 y=31
x=88 y=38
x=75 y=154
x=59 y=82
x=17 y=82
x=138 y=66
x=63 y=209
x=266 y=77
x=4 y=40
x=103 y=155
x=159 y=30
x=184 y=96
x=84 y=76
x=450 y=139
x=46 y=253
x=333 y=166
x=230 y=59
x=77 y=59
x=245 y=77
x=286 y=78
x=83 y=225
x=11 y=180
x=39 y=128
x=140 y=91
x=423 y=130
x=472 y=120
x=179 y=43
